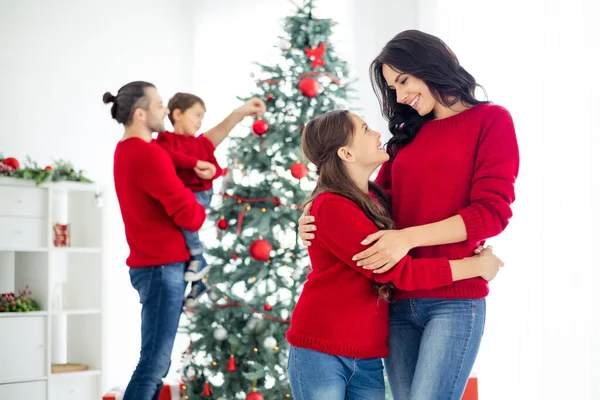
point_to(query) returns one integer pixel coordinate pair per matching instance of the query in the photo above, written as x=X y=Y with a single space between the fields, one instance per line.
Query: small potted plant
x=9 y=302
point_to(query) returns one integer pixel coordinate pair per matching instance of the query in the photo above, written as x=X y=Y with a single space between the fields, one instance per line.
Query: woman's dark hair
x=428 y=58
x=128 y=99
x=183 y=101
x=321 y=139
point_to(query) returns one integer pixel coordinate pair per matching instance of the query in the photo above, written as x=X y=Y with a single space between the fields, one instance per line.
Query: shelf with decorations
x=51 y=245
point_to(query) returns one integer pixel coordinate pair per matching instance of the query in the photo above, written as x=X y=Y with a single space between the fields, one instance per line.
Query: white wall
x=536 y=58
x=57 y=58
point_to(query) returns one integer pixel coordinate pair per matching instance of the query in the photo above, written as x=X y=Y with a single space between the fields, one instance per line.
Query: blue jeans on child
x=433 y=346
x=192 y=240
x=161 y=290
x=319 y=376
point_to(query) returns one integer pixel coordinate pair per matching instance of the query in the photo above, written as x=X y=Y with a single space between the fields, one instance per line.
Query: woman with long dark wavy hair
x=451 y=174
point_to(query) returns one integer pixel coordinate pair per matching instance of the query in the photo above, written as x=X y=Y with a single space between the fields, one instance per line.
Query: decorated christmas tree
x=237 y=347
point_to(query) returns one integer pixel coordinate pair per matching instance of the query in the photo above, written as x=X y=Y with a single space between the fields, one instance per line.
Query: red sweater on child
x=185 y=152
x=154 y=203
x=466 y=164
x=339 y=311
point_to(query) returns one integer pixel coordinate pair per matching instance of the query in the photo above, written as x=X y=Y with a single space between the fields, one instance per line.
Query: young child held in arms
x=197 y=167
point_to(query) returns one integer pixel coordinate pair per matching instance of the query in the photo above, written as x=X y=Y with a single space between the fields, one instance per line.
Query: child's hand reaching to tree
x=252 y=108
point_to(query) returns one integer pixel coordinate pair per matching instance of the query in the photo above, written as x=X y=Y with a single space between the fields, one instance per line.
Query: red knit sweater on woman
x=466 y=164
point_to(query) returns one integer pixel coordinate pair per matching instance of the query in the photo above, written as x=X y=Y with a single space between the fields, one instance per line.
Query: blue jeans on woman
x=433 y=346
x=161 y=289
x=319 y=376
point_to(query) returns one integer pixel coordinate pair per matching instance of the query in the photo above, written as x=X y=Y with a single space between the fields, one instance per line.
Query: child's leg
x=318 y=376
x=197 y=261
x=197 y=267
x=194 y=271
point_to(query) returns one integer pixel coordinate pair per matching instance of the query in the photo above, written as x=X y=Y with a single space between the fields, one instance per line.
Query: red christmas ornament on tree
x=234 y=257
x=222 y=224
x=260 y=127
x=231 y=366
x=207 y=390
x=255 y=396
x=48 y=168
x=299 y=170
x=11 y=162
x=268 y=307
x=276 y=201
x=270 y=97
x=260 y=250
x=309 y=87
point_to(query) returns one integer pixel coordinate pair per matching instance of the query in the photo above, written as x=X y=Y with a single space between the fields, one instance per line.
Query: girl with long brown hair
x=339 y=329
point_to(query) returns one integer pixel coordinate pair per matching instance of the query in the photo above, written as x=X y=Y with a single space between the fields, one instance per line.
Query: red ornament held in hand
x=299 y=170
x=309 y=87
x=260 y=250
x=260 y=127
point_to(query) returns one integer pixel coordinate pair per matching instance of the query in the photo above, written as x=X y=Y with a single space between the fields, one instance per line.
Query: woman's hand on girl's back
x=391 y=247
x=306 y=226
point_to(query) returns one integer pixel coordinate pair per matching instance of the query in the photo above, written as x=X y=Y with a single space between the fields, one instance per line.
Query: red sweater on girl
x=339 y=311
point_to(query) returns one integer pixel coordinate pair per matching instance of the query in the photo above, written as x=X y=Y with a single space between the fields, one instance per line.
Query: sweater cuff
x=445 y=276
x=473 y=224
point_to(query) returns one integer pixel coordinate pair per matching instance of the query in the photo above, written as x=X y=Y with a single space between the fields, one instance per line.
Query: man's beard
x=156 y=126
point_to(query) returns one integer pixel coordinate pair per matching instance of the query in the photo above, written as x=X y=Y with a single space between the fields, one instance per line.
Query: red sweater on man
x=154 y=203
x=186 y=151
x=466 y=164
x=339 y=311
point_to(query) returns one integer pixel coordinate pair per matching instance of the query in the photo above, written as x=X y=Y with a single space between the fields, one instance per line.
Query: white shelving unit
x=67 y=282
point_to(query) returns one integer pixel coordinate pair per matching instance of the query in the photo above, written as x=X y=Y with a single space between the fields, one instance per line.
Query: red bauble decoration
x=255 y=396
x=222 y=224
x=276 y=201
x=270 y=97
x=48 y=168
x=260 y=250
x=234 y=257
x=11 y=162
x=207 y=390
x=299 y=170
x=260 y=127
x=231 y=366
x=309 y=87
x=268 y=307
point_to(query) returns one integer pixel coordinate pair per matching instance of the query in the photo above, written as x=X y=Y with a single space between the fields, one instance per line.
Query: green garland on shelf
x=60 y=171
